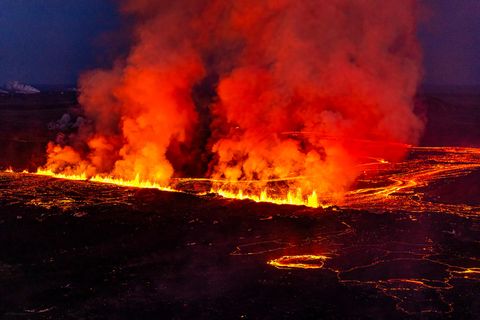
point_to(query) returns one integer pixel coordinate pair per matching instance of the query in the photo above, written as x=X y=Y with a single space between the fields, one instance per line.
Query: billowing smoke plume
x=247 y=90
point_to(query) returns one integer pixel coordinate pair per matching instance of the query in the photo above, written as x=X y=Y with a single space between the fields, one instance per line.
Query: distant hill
x=17 y=87
x=21 y=88
x=55 y=87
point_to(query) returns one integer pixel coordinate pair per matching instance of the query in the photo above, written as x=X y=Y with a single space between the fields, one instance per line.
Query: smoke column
x=252 y=90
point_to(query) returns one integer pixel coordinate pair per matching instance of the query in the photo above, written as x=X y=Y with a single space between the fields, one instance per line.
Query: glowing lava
x=135 y=183
x=308 y=261
x=291 y=198
x=50 y=173
x=384 y=186
x=398 y=187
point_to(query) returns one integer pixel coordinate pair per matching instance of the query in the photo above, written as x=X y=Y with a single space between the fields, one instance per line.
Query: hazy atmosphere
x=52 y=41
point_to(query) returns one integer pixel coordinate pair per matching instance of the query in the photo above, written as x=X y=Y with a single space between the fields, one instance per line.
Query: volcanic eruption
x=275 y=99
x=309 y=104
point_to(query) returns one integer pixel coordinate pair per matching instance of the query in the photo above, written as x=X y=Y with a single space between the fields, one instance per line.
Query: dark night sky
x=451 y=42
x=51 y=41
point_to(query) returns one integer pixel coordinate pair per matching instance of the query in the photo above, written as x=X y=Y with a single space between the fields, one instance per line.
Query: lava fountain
x=244 y=93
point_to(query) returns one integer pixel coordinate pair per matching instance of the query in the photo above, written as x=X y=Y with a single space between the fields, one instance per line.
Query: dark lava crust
x=81 y=250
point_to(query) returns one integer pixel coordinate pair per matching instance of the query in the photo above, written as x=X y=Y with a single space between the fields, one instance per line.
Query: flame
x=50 y=173
x=291 y=198
x=135 y=183
x=384 y=186
x=244 y=92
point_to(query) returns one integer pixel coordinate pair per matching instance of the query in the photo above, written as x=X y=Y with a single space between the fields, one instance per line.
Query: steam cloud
x=252 y=90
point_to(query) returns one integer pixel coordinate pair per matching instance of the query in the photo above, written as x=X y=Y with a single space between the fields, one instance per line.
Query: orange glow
x=471 y=270
x=308 y=261
x=398 y=192
x=387 y=186
x=50 y=173
x=242 y=92
x=291 y=198
x=136 y=183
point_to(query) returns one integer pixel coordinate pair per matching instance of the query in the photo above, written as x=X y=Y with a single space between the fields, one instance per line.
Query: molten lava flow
x=299 y=262
x=395 y=186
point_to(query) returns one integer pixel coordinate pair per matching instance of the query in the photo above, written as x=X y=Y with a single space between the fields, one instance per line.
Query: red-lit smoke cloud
x=252 y=90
